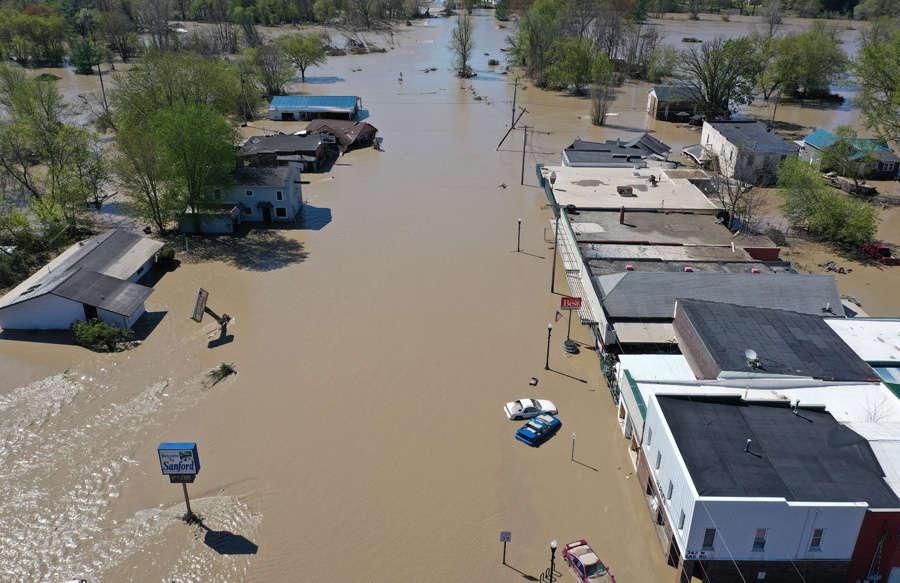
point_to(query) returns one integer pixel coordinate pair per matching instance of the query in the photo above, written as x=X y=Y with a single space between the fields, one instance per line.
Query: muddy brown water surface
x=376 y=342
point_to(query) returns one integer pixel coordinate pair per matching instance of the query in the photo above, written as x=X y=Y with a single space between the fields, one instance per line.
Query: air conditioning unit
x=625 y=190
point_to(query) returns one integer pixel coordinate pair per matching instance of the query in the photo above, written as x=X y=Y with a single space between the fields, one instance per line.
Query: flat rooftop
x=808 y=457
x=315 y=103
x=786 y=343
x=873 y=339
x=609 y=266
x=753 y=135
x=654 y=228
x=596 y=188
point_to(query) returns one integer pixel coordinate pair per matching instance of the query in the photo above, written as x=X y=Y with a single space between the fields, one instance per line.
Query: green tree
x=143 y=172
x=873 y=9
x=720 y=75
x=663 y=62
x=539 y=28
x=326 y=10
x=272 y=68
x=574 y=62
x=86 y=22
x=810 y=204
x=462 y=44
x=848 y=156
x=879 y=92
x=809 y=62
x=197 y=146
x=303 y=50
x=86 y=55
x=501 y=11
x=120 y=34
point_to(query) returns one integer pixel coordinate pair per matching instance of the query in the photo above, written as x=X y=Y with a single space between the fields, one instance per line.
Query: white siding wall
x=142 y=270
x=47 y=312
x=292 y=199
x=789 y=527
x=716 y=143
x=115 y=319
x=658 y=439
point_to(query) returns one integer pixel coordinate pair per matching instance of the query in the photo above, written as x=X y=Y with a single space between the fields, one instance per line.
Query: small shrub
x=167 y=255
x=221 y=371
x=493 y=62
x=690 y=39
x=96 y=333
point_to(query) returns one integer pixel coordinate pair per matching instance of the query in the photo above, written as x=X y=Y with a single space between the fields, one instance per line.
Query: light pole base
x=571 y=347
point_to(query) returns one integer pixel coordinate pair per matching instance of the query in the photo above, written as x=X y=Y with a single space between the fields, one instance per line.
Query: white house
x=95 y=278
x=746 y=150
x=754 y=490
x=260 y=194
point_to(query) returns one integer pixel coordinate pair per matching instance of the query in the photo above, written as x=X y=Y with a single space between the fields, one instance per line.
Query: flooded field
x=376 y=342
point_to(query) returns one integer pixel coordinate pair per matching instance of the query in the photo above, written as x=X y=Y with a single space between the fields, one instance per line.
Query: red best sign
x=570 y=303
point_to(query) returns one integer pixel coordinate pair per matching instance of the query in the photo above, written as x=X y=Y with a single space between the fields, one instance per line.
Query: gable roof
x=753 y=135
x=672 y=92
x=645 y=295
x=281 y=144
x=346 y=132
x=114 y=255
x=267 y=176
x=315 y=103
x=807 y=457
x=649 y=144
x=787 y=343
x=823 y=138
x=102 y=291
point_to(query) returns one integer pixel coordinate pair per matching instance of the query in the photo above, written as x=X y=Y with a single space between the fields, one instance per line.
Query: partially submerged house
x=96 y=278
x=309 y=151
x=307 y=107
x=635 y=153
x=260 y=194
x=748 y=151
x=665 y=102
x=349 y=134
x=887 y=164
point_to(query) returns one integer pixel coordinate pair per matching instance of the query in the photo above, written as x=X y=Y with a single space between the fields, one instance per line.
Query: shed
x=307 y=107
x=667 y=101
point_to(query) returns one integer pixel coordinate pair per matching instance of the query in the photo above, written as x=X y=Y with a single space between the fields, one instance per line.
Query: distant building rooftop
x=671 y=92
x=786 y=343
x=613 y=188
x=657 y=367
x=266 y=177
x=753 y=135
x=599 y=267
x=638 y=295
x=281 y=144
x=808 y=457
x=315 y=103
x=875 y=340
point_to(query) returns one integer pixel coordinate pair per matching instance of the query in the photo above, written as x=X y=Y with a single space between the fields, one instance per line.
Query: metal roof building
x=307 y=107
x=95 y=278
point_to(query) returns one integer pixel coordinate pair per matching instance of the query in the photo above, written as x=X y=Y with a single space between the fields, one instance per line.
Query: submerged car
x=528 y=408
x=538 y=430
x=585 y=563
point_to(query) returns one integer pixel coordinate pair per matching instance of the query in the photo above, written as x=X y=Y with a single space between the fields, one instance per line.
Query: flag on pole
x=558 y=316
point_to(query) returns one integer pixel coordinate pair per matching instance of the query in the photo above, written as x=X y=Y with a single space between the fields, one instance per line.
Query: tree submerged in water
x=462 y=44
x=220 y=372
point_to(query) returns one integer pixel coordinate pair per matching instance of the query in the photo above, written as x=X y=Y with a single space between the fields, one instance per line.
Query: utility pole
x=524 y=142
x=515 y=92
x=555 y=245
x=103 y=90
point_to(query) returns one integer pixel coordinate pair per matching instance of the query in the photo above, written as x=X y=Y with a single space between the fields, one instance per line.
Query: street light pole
x=555 y=244
x=547 y=360
x=552 y=558
x=519 y=237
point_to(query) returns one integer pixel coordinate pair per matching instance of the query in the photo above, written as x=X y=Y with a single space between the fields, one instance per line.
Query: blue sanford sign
x=179 y=458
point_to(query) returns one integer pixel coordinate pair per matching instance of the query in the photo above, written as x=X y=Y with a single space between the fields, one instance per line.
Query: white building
x=95 y=278
x=746 y=150
x=260 y=194
x=753 y=490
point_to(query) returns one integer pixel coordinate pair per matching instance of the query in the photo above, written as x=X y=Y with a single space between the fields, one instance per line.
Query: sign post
x=573 y=447
x=569 y=304
x=200 y=305
x=505 y=537
x=179 y=461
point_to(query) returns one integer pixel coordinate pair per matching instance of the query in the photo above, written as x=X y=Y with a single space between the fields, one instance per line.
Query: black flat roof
x=808 y=457
x=786 y=342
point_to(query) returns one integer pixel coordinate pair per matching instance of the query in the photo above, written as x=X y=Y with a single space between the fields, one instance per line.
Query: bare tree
x=582 y=14
x=694 y=7
x=223 y=33
x=601 y=95
x=609 y=30
x=740 y=200
x=462 y=44
x=153 y=16
x=773 y=15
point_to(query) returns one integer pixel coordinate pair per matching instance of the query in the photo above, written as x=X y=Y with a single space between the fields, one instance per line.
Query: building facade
x=745 y=150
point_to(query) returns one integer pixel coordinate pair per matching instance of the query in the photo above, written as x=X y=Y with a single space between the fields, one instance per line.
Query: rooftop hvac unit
x=625 y=190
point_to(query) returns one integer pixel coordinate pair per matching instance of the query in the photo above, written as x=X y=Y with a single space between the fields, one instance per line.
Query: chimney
x=747 y=446
x=622 y=215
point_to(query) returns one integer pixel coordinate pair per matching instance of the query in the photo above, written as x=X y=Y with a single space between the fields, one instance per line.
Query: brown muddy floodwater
x=363 y=438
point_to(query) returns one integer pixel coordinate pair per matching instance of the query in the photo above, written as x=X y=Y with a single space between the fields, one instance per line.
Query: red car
x=586 y=564
x=881 y=253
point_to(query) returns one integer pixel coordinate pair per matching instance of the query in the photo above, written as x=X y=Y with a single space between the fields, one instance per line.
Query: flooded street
x=363 y=438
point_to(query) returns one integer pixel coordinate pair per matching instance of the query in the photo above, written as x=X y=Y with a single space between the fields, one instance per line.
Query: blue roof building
x=307 y=107
x=887 y=163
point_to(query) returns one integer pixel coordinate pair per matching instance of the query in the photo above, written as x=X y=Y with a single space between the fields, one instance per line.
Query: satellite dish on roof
x=750 y=354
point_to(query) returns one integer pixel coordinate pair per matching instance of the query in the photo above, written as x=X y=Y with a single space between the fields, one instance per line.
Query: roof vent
x=747 y=446
x=796 y=409
x=827 y=307
x=752 y=358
